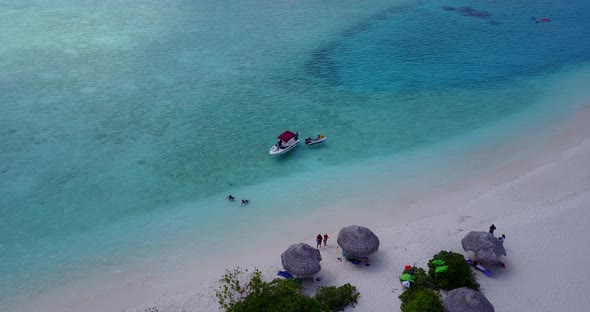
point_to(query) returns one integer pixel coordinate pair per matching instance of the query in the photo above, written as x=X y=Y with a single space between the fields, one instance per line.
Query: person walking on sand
x=326 y=238
x=318 y=241
x=492 y=228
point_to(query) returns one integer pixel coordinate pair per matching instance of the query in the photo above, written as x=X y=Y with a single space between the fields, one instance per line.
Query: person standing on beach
x=326 y=238
x=492 y=228
x=318 y=240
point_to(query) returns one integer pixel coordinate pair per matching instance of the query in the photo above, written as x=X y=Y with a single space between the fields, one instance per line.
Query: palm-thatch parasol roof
x=485 y=246
x=466 y=300
x=301 y=259
x=358 y=241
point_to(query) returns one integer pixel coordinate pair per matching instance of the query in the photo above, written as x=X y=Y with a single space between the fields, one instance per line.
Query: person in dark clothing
x=230 y=198
x=318 y=240
x=492 y=228
x=245 y=202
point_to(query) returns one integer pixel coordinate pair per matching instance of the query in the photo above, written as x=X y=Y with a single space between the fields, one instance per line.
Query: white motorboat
x=287 y=141
x=317 y=140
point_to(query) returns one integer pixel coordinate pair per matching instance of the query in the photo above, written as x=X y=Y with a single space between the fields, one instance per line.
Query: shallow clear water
x=125 y=123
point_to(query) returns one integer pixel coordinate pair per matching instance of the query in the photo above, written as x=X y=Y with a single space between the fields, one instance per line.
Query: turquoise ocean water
x=125 y=124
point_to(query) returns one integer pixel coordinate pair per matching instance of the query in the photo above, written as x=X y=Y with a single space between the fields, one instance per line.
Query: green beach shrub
x=231 y=288
x=277 y=295
x=421 y=295
x=421 y=279
x=421 y=300
x=457 y=275
x=446 y=270
x=226 y=294
x=239 y=294
x=337 y=298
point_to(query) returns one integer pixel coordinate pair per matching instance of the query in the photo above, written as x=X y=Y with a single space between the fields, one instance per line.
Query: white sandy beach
x=540 y=203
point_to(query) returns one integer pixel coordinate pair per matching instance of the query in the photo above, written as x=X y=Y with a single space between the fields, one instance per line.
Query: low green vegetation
x=422 y=295
x=239 y=293
x=337 y=298
x=421 y=279
x=421 y=300
x=446 y=270
x=458 y=273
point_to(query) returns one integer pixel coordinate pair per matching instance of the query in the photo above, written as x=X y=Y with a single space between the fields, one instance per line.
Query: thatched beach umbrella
x=485 y=246
x=467 y=300
x=301 y=259
x=358 y=241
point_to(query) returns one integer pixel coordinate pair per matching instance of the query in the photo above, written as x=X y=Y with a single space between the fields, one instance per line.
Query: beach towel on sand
x=284 y=274
x=438 y=262
x=407 y=277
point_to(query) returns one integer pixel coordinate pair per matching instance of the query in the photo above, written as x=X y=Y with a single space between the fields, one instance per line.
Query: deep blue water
x=114 y=115
x=454 y=44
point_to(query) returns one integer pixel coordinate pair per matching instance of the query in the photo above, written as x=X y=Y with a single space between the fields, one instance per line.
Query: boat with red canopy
x=287 y=141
